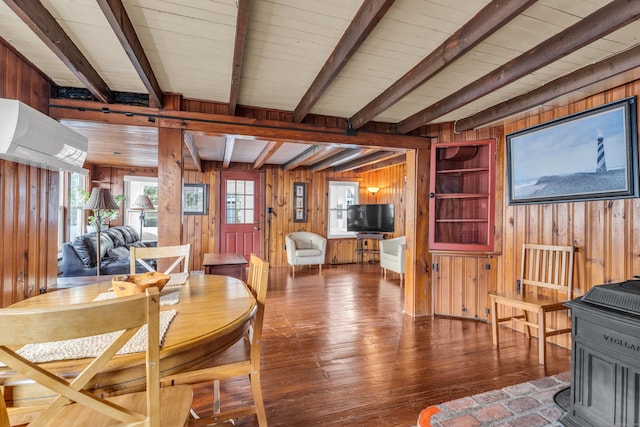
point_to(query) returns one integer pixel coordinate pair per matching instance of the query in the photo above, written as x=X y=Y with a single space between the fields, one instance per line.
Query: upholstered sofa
x=79 y=256
x=305 y=248
x=393 y=255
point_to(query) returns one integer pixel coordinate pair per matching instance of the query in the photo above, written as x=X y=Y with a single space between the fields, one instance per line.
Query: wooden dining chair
x=179 y=253
x=153 y=407
x=545 y=284
x=241 y=359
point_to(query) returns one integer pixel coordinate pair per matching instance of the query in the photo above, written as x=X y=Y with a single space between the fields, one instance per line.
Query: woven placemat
x=177 y=279
x=80 y=348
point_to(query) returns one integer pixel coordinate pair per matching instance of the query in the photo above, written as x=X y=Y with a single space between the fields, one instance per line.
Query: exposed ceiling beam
x=119 y=20
x=193 y=150
x=268 y=151
x=238 y=53
x=366 y=160
x=585 y=76
x=230 y=142
x=300 y=158
x=342 y=156
x=321 y=152
x=72 y=109
x=609 y=18
x=383 y=164
x=486 y=22
x=44 y=25
x=360 y=27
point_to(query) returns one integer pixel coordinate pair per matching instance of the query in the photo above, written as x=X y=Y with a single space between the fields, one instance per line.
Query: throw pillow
x=120 y=252
x=85 y=250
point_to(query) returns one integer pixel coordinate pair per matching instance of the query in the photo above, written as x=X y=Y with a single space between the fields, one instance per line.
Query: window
x=240 y=201
x=70 y=186
x=134 y=187
x=77 y=183
x=341 y=195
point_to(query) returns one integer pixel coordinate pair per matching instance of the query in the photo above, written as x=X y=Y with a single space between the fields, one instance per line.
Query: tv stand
x=362 y=246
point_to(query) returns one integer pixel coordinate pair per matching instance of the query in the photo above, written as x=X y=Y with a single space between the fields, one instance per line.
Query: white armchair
x=305 y=248
x=392 y=255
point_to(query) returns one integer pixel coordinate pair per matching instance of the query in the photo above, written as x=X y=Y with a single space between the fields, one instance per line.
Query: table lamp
x=100 y=200
x=142 y=203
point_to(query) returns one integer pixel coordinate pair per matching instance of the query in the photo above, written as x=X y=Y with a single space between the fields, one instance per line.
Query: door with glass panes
x=240 y=224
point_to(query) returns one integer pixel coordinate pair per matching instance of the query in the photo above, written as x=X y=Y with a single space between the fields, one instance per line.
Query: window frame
x=132 y=217
x=69 y=204
x=333 y=230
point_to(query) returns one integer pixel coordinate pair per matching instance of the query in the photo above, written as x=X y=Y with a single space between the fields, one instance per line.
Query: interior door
x=240 y=224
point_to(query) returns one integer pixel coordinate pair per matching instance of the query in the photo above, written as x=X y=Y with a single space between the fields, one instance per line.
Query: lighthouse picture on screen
x=585 y=156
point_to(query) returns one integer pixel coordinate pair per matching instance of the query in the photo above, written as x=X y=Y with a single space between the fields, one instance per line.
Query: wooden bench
x=545 y=284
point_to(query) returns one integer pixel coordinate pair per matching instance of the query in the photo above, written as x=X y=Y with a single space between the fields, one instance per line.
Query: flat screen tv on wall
x=370 y=218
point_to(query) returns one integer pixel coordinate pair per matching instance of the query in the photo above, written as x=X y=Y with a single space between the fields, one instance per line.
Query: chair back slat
x=259 y=278
x=181 y=253
x=548 y=267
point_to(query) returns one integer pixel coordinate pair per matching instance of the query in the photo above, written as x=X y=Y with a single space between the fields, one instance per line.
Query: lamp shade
x=101 y=199
x=373 y=190
x=142 y=203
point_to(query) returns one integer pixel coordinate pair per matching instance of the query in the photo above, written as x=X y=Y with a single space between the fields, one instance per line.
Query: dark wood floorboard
x=339 y=351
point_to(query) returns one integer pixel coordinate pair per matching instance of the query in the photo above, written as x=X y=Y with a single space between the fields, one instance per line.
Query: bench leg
x=542 y=337
x=494 y=322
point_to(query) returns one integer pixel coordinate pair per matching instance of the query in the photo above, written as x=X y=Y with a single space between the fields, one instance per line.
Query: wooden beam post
x=418 y=295
x=170 y=171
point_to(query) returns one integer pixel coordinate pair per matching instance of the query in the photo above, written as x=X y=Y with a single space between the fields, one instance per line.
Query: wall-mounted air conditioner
x=30 y=137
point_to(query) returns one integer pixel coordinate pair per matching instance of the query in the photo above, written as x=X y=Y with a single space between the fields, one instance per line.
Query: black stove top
x=624 y=296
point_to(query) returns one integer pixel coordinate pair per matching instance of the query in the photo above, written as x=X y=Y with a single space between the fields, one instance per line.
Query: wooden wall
x=606 y=233
x=201 y=231
x=28 y=197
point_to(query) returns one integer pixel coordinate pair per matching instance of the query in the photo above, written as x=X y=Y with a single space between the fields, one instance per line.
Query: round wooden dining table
x=213 y=312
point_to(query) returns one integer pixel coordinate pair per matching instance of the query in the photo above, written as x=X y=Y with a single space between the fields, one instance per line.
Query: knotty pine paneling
x=605 y=233
x=279 y=187
x=201 y=231
x=28 y=196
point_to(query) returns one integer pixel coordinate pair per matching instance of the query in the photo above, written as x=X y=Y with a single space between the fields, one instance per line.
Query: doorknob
x=256 y=228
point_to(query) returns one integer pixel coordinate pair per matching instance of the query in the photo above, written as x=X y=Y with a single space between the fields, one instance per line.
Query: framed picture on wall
x=194 y=199
x=299 y=202
x=585 y=156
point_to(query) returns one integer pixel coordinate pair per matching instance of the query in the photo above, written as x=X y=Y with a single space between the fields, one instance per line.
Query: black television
x=370 y=218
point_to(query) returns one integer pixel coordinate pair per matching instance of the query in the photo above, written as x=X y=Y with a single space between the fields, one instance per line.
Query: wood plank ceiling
x=408 y=63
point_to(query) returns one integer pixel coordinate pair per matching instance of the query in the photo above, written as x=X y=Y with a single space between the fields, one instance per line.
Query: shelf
x=462 y=171
x=462 y=185
x=461 y=195
x=362 y=249
x=461 y=220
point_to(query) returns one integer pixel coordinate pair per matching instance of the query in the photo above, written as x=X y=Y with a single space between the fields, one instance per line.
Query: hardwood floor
x=339 y=351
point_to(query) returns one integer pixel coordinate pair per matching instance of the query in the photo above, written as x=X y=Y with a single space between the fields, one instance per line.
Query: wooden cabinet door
x=461 y=284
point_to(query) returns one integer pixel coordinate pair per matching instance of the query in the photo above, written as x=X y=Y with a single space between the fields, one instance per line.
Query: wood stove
x=605 y=364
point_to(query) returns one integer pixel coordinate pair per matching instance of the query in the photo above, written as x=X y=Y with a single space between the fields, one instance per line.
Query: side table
x=228 y=264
